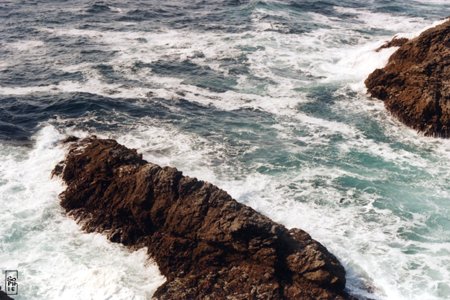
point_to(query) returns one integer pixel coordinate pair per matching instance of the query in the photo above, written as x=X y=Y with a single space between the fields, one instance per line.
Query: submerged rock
x=415 y=84
x=205 y=243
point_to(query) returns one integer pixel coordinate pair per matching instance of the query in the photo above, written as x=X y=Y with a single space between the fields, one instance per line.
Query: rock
x=395 y=42
x=4 y=296
x=415 y=84
x=205 y=243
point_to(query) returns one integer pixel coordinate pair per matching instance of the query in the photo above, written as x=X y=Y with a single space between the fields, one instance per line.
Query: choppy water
x=263 y=98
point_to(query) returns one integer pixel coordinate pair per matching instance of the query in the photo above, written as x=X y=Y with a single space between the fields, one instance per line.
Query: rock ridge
x=205 y=243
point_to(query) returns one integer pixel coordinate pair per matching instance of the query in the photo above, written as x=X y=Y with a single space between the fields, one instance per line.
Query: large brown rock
x=415 y=84
x=206 y=244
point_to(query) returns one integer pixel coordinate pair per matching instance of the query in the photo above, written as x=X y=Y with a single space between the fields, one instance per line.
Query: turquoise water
x=262 y=98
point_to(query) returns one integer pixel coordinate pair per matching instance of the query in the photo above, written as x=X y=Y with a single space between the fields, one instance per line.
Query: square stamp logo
x=11 y=282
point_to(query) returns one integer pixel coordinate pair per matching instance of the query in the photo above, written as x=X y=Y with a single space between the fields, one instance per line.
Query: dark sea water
x=262 y=98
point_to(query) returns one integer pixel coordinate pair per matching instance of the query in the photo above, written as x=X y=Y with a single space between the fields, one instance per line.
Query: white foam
x=385 y=21
x=54 y=258
x=26 y=45
x=287 y=60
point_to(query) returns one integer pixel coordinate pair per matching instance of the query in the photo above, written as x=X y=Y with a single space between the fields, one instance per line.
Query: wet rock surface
x=205 y=243
x=415 y=84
